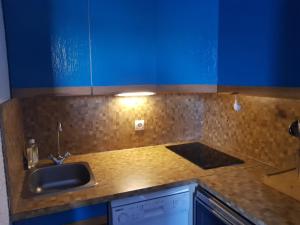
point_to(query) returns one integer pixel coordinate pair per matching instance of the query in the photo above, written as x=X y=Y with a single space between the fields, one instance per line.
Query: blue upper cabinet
x=187 y=42
x=100 y=43
x=123 y=34
x=167 y=42
x=259 y=43
x=48 y=43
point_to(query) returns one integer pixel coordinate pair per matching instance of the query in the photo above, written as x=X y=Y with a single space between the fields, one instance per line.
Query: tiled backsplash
x=103 y=123
x=259 y=130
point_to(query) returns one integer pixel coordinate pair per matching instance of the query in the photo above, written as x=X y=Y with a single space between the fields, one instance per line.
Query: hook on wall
x=236 y=105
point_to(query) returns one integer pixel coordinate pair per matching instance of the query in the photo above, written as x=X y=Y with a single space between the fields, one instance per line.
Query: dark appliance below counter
x=211 y=211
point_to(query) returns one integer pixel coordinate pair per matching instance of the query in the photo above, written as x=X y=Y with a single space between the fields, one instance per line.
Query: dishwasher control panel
x=151 y=209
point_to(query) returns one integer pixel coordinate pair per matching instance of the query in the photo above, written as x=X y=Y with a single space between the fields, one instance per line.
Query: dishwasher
x=167 y=207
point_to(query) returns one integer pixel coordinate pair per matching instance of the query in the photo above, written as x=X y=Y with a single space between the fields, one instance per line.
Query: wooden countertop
x=139 y=170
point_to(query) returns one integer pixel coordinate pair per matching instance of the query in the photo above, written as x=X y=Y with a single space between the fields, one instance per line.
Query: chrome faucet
x=59 y=159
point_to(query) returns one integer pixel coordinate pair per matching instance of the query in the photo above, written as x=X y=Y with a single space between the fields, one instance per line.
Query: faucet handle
x=54 y=159
x=60 y=159
x=50 y=156
x=67 y=154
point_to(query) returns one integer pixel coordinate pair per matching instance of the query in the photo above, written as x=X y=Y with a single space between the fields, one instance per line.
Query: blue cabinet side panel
x=4 y=76
x=122 y=37
x=48 y=42
x=259 y=43
x=67 y=217
x=187 y=41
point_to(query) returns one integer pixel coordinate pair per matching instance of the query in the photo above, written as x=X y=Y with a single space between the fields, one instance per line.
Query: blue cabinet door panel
x=4 y=77
x=259 y=43
x=67 y=217
x=122 y=40
x=48 y=43
x=187 y=42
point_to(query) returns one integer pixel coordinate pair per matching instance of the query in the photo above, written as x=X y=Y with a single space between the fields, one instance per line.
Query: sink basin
x=57 y=178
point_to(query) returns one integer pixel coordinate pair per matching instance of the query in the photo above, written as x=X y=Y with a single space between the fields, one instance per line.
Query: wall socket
x=139 y=124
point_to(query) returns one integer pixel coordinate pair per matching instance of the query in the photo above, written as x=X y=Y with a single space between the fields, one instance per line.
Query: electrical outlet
x=139 y=124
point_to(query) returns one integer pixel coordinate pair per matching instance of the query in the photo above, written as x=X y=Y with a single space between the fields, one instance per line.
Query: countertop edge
x=98 y=200
x=105 y=199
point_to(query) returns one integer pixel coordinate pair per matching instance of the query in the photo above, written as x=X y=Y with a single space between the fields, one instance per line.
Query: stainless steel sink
x=58 y=178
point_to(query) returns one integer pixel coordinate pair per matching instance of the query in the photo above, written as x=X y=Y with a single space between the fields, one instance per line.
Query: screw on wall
x=236 y=105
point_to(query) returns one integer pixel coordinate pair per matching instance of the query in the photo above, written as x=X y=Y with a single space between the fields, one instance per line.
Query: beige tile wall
x=100 y=123
x=103 y=123
x=259 y=130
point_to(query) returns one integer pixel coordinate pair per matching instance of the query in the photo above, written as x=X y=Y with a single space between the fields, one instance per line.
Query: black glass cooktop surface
x=204 y=156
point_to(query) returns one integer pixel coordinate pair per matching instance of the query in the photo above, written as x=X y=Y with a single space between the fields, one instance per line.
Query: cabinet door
x=259 y=43
x=187 y=42
x=48 y=43
x=123 y=42
x=95 y=214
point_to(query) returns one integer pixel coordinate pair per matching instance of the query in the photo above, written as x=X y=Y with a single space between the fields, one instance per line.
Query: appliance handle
x=222 y=218
x=227 y=213
x=223 y=212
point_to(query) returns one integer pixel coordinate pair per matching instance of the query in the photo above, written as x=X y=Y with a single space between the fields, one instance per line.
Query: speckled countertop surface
x=132 y=171
x=245 y=192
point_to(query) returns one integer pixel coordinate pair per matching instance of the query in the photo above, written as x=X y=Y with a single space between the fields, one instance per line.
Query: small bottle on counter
x=32 y=154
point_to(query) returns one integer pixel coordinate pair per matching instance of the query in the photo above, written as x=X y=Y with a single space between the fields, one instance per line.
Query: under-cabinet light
x=135 y=94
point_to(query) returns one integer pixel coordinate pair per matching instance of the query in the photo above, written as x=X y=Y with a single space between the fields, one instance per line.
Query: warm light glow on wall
x=131 y=102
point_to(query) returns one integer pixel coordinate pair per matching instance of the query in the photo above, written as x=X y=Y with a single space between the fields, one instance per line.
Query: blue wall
x=259 y=43
x=187 y=42
x=47 y=42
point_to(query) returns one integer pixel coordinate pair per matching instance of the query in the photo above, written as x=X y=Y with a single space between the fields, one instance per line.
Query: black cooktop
x=204 y=156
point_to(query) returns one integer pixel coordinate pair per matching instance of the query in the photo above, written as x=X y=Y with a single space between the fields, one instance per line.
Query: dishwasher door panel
x=168 y=210
x=180 y=218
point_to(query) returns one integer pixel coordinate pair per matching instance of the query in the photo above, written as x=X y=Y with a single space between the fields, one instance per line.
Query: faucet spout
x=59 y=130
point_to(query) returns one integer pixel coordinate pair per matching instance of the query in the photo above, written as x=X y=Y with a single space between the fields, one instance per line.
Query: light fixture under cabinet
x=135 y=94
